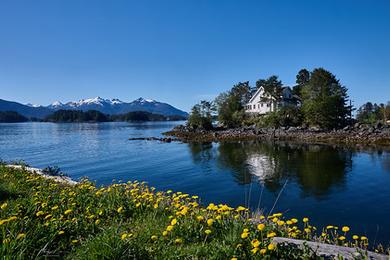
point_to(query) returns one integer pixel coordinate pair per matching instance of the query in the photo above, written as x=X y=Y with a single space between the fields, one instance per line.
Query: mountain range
x=106 y=106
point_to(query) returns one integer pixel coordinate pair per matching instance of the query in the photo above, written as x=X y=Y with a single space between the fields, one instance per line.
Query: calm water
x=330 y=185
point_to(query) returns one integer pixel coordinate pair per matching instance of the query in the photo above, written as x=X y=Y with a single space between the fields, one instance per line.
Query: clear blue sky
x=183 y=51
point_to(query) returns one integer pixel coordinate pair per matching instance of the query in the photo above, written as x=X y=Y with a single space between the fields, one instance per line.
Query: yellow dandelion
x=270 y=235
x=207 y=231
x=271 y=247
x=20 y=236
x=255 y=243
x=68 y=211
x=305 y=220
x=120 y=210
x=174 y=222
x=200 y=218
x=154 y=238
x=4 y=205
x=210 y=222
x=169 y=228
x=61 y=232
x=255 y=250
x=178 y=241
x=355 y=237
x=345 y=229
x=123 y=236
x=342 y=238
x=244 y=235
x=263 y=251
x=261 y=227
x=40 y=213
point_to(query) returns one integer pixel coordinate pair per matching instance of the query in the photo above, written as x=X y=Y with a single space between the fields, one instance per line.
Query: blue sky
x=183 y=51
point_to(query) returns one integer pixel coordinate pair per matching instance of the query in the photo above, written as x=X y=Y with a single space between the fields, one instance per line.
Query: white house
x=262 y=103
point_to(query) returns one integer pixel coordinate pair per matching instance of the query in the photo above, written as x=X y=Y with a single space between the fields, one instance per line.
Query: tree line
x=69 y=116
x=323 y=102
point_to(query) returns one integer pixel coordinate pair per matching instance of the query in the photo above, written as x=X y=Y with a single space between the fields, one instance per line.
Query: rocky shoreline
x=356 y=134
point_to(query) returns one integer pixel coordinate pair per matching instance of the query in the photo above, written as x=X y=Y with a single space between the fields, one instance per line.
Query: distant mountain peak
x=56 y=104
x=143 y=100
x=32 y=105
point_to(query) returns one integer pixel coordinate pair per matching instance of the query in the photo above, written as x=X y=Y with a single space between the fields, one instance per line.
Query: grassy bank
x=39 y=217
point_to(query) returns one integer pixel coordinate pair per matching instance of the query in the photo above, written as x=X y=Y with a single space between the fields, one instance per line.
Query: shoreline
x=356 y=135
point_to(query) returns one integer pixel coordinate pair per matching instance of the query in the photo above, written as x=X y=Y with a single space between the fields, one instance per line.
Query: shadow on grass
x=8 y=193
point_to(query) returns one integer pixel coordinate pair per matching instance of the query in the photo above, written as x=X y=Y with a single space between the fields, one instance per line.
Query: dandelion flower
x=261 y=227
x=254 y=250
x=255 y=243
x=210 y=221
x=355 y=237
x=305 y=220
x=200 y=218
x=61 y=232
x=271 y=247
x=68 y=211
x=363 y=238
x=20 y=236
x=345 y=229
x=120 y=210
x=4 y=205
x=169 y=228
x=244 y=235
x=207 y=231
x=123 y=236
x=174 y=222
x=178 y=241
x=270 y=235
x=154 y=238
x=165 y=233
x=263 y=251
x=342 y=238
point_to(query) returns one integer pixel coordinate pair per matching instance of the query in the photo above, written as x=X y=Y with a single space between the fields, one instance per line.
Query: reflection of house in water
x=316 y=168
x=262 y=167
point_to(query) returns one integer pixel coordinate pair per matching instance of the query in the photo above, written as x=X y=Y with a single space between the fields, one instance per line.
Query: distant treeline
x=96 y=116
x=11 y=117
x=78 y=116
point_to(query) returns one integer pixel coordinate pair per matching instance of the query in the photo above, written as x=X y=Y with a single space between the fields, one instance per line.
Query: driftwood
x=331 y=251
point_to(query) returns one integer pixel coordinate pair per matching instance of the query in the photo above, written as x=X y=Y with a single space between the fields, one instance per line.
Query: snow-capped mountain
x=107 y=106
x=116 y=106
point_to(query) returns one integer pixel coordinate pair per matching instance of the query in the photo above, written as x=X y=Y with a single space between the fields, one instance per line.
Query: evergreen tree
x=325 y=100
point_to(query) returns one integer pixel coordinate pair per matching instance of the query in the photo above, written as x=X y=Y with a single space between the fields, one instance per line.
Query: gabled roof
x=255 y=95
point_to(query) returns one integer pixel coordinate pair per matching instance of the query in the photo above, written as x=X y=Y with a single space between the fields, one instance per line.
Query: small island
x=316 y=109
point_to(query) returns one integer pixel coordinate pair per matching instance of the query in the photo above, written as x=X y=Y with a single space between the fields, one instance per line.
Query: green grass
x=43 y=219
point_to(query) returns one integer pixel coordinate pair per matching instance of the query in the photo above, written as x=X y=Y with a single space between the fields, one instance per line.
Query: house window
x=262 y=104
x=258 y=106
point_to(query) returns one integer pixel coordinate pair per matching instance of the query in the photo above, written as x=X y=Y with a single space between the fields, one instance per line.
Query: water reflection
x=316 y=168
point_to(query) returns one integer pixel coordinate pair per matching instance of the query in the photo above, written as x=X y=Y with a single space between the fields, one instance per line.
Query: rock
x=356 y=125
x=378 y=125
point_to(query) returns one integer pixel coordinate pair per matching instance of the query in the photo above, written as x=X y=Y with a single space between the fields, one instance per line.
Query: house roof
x=261 y=88
x=256 y=93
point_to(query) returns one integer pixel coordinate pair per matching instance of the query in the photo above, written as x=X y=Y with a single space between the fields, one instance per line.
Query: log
x=331 y=251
